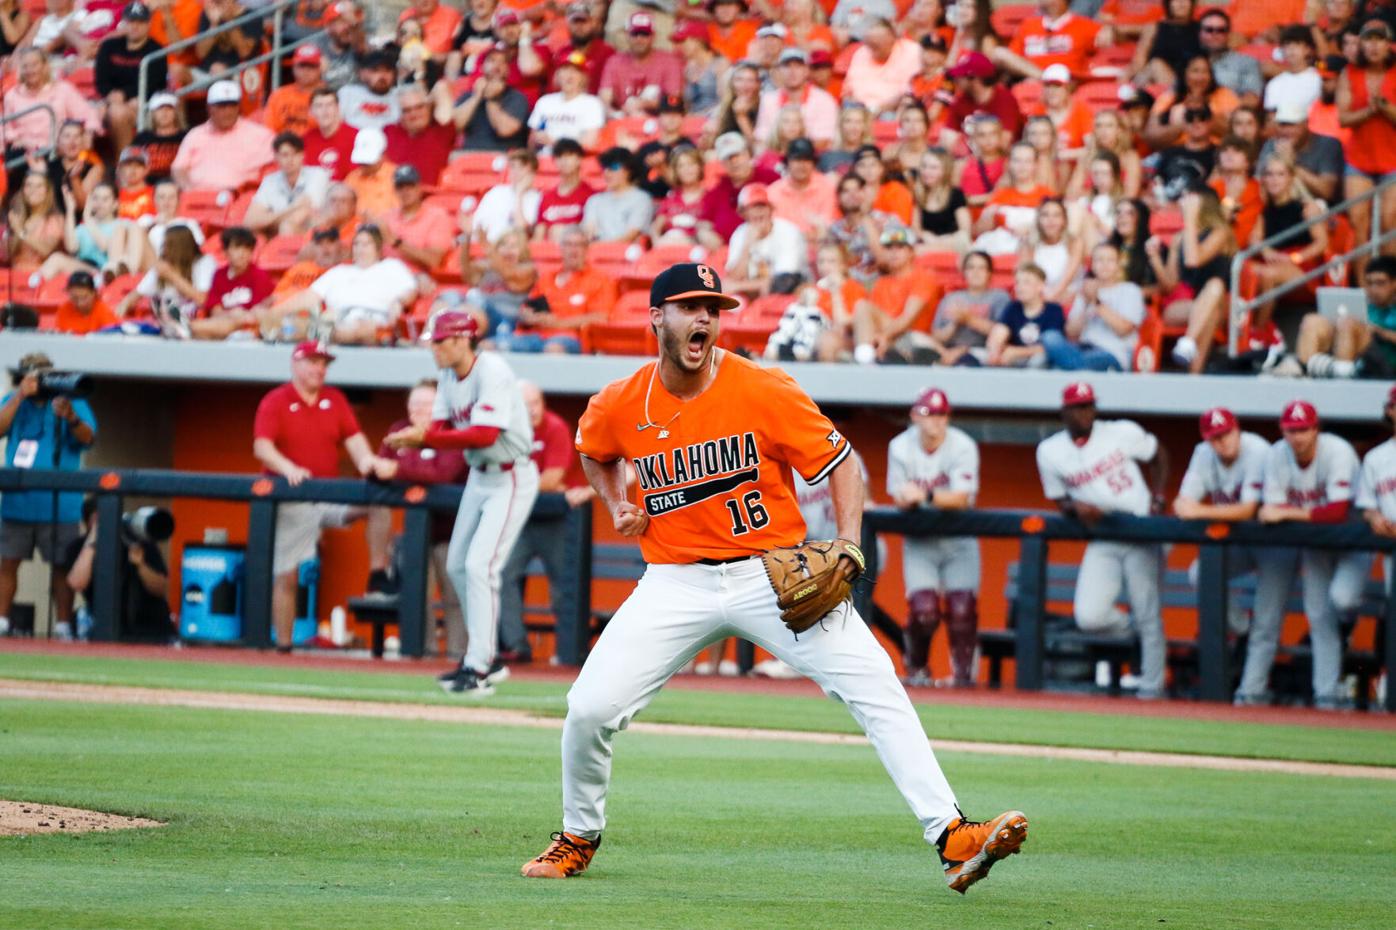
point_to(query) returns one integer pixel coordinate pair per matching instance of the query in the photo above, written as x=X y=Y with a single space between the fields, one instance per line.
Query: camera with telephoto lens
x=63 y=384
x=147 y=525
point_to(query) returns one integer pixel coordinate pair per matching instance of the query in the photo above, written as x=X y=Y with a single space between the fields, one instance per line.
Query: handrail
x=277 y=10
x=52 y=128
x=1240 y=308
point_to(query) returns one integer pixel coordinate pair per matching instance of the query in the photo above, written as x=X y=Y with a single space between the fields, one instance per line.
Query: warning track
x=493 y=716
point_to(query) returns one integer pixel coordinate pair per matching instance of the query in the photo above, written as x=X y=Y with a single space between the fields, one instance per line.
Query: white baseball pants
x=493 y=511
x=1332 y=584
x=676 y=611
x=1137 y=567
x=941 y=564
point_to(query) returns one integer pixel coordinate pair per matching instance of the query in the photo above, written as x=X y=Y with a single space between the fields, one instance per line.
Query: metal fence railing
x=264 y=495
x=52 y=130
x=1035 y=530
x=1240 y=308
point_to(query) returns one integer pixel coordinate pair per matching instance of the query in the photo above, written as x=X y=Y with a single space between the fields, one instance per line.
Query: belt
x=492 y=467
x=735 y=558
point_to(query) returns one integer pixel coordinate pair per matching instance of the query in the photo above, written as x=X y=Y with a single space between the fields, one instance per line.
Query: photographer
x=145 y=580
x=45 y=429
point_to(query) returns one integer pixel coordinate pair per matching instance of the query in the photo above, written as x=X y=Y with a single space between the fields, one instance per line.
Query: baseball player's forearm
x=360 y=453
x=1335 y=512
x=951 y=500
x=474 y=437
x=846 y=487
x=608 y=479
x=1190 y=509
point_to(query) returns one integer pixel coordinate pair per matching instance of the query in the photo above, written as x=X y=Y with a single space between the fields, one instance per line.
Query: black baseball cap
x=81 y=279
x=136 y=12
x=688 y=279
x=673 y=103
x=406 y=175
x=800 y=149
x=325 y=234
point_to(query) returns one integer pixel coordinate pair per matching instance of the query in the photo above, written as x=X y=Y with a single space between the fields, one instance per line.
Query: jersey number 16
x=755 y=516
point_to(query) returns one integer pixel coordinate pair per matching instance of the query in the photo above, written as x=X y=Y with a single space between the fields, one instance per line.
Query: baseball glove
x=809 y=581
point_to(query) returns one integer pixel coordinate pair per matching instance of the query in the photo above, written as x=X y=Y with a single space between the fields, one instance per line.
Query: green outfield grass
x=284 y=821
x=1090 y=730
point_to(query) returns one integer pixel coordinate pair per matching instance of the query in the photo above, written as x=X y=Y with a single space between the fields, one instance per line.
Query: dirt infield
x=983 y=697
x=21 y=818
x=216 y=700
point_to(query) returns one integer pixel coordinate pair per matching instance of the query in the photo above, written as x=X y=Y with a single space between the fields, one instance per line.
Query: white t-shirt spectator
x=164 y=297
x=561 y=118
x=1125 y=299
x=783 y=249
x=495 y=214
x=1302 y=89
x=276 y=194
x=363 y=109
x=379 y=288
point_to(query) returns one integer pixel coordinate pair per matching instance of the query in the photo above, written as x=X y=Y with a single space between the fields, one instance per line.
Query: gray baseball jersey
x=1330 y=478
x=1377 y=489
x=487 y=396
x=943 y=564
x=1241 y=482
x=1103 y=471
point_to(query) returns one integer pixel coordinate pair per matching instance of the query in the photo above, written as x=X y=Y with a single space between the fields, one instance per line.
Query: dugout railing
x=263 y=496
x=1036 y=530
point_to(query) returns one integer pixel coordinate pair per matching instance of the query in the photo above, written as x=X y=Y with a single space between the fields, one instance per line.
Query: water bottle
x=504 y=336
x=288 y=328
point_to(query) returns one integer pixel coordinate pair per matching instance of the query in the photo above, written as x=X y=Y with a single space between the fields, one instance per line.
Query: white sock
x=62 y=629
x=1344 y=369
x=1185 y=350
x=864 y=354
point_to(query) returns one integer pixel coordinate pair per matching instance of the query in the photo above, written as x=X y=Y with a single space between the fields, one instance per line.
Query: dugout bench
x=1065 y=642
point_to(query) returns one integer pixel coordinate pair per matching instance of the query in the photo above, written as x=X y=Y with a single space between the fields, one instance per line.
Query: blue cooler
x=211 y=598
x=307 y=594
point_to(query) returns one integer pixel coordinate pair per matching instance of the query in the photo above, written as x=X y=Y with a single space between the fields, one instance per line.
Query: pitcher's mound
x=21 y=818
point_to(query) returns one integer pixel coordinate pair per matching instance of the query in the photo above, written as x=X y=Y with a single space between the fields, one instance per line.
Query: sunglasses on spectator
x=1215 y=29
x=1196 y=116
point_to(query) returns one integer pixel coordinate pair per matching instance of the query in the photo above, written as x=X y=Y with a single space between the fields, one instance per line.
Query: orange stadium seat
x=208 y=207
x=1005 y=19
x=1028 y=94
x=1150 y=345
x=751 y=325
x=279 y=253
x=885 y=132
x=627 y=332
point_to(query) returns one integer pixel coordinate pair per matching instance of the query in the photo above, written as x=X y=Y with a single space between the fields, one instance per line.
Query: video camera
x=53 y=383
x=147 y=525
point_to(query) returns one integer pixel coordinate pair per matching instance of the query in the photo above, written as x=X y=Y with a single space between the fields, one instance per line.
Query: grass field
x=332 y=822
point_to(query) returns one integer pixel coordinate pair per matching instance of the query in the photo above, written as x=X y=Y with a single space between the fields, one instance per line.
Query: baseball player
x=1376 y=492
x=1090 y=469
x=479 y=409
x=1310 y=477
x=714 y=439
x=933 y=464
x=1223 y=482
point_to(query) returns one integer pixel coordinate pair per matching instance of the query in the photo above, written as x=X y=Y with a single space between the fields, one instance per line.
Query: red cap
x=1216 y=422
x=820 y=57
x=753 y=195
x=1391 y=395
x=453 y=323
x=1299 y=414
x=974 y=65
x=506 y=17
x=1077 y=394
x=306 y=53
x=641 y=23
x=342 y=10
x=311 y=349
x=931 y=401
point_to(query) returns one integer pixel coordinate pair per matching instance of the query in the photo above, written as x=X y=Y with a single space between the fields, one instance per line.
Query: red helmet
x=453 y=323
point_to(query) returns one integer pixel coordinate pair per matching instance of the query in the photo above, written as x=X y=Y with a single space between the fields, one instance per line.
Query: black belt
x=735 y=558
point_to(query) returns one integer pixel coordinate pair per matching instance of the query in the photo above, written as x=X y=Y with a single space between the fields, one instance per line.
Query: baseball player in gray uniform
x=1376 y=492
x=1089 y=469
x=479 y=409
x=1224 y=481
x=933 y=464
x=1310 y=477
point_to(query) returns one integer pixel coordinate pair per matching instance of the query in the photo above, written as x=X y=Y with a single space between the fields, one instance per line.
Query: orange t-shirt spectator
x=288 y=107
x=322 y=254
x=136 y=197
x=576 y=292
x=1057 y=37
x=729 y=34
x=439 y=23
x=84 y=312
x=904 y=297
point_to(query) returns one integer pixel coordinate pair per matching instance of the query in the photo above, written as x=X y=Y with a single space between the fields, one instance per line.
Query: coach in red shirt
x=297 y=434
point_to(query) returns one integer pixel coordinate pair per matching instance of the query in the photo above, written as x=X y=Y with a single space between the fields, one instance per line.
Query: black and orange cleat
x=969 y=848
x=566 y=856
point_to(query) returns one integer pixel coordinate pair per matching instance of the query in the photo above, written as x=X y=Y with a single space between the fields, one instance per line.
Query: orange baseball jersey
x=714 y=471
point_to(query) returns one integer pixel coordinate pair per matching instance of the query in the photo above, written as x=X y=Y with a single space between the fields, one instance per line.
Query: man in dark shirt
x=117 y=73
x=493 y=115
x=1196 y=158
x=145 y=582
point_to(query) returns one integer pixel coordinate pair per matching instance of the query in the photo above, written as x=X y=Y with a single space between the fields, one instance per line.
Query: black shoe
x=380 y=582
x=498 y=672
x=449 y=675
x=468 y=684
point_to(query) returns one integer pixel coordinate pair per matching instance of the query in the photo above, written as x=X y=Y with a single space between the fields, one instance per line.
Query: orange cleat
x=568 y=855
x=969 y=848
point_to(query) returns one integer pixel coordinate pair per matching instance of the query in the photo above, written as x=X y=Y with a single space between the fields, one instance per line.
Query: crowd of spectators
x=853 y=170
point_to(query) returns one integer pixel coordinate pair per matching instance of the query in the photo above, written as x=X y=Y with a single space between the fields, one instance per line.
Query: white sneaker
x=775 y=668
x=62 y=630
x=728 y=669
x=704 y=668
x=4 y=626
x=1184 y=351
